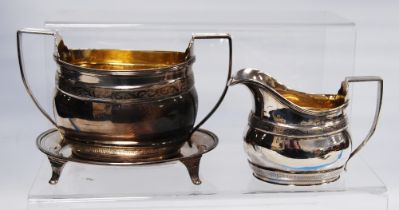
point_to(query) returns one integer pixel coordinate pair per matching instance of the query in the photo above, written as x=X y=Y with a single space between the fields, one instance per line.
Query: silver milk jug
x=297 y=138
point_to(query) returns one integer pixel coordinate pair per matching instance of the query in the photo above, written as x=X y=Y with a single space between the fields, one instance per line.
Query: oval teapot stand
x=59 y=152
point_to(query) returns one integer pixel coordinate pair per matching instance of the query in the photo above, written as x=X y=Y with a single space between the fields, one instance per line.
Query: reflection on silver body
x=297 y=138
x=125 y=106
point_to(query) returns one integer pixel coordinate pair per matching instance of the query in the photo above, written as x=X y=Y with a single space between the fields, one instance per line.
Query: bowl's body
x=123 y=105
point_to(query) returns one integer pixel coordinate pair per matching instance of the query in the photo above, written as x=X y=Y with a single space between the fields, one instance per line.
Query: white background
x=377 y=53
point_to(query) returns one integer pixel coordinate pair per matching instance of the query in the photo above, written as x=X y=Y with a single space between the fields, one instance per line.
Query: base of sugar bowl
x=305 y=178
x=59 y=152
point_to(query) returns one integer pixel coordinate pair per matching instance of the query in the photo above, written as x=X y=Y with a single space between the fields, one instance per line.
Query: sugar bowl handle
x=215 y=36
x=377 y=110
x=22 y=67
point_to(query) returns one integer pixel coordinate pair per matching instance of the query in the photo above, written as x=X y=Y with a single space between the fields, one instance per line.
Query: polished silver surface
x=22 y=65
x=124 y=104
x=60 y=152
x=345 y=87
x=229 y=74
x=274 y=176
x=297 y=138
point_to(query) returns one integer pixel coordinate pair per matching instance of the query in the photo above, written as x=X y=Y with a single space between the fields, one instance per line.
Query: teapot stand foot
x=56 y=165
x=192 y=165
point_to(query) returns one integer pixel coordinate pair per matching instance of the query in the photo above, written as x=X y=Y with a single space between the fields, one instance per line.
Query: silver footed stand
x=59 y=153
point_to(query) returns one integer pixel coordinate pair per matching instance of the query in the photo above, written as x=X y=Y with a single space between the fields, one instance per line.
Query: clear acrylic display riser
x=227 y=182
x=312 y=53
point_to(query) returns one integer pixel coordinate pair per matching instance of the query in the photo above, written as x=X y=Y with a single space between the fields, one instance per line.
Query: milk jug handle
x=215 y=36
x=377 y=110
x=22 y=67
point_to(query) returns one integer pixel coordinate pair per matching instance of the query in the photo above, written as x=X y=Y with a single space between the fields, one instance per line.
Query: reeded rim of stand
x=52 y=144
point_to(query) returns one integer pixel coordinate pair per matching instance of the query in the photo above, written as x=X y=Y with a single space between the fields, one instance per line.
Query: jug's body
x=284 y=145
x=118 y=105
x=294 y=137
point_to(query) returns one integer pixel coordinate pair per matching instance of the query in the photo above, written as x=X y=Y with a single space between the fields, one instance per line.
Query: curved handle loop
x=377 y=110
x=215 y=36
x=22 y=67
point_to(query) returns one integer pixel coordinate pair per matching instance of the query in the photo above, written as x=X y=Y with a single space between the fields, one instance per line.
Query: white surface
x=377 y=54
